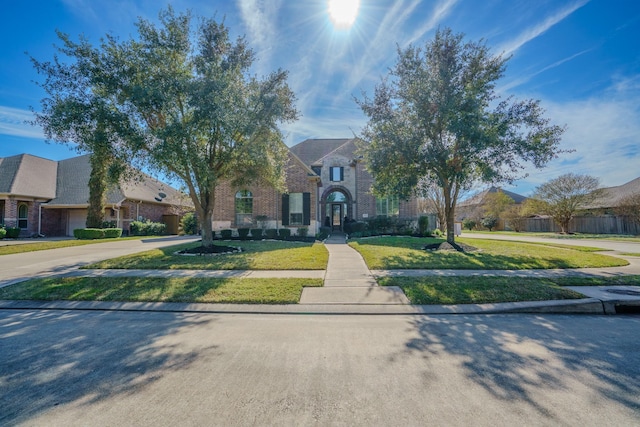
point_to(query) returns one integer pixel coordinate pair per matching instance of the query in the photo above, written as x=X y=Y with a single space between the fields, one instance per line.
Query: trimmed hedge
x=226 y=233
x=271 y=233
x=97 y=233
x=284 y=233
x=12 y=232
x=243 y=233
x=147 y=228
x=112 y=233
x=256 y=233
x=3 y=233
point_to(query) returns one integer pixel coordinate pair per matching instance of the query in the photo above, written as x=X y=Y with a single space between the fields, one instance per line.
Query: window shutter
x=285 y=209
x=306 y=208
x=341 y=173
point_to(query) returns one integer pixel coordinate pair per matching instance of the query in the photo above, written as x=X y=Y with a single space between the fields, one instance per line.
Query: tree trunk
x=207 y=228
x=97 y=190
x=449 y=212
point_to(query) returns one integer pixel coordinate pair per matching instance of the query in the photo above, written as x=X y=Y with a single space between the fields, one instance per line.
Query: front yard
x=255 y=255
x=393 y=253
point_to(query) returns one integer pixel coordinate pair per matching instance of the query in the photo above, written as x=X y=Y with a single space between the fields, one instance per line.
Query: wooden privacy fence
x=606 y=224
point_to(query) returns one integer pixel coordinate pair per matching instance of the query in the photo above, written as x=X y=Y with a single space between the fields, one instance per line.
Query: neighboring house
x=326 y=183
x=49 y=197
x=473 y=207
x=612 y=197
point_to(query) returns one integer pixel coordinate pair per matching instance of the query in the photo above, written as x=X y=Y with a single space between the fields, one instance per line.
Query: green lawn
x=135 y=289
x=484 y=290
x=389 y=253
x=256 y=255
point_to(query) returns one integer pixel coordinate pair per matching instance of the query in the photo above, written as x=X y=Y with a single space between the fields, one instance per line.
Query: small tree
x=516 y=215
x=629 y=206
x=565 y=195
x=496 y=203
x=468 y=223
x=433 y=200
x=489 y=222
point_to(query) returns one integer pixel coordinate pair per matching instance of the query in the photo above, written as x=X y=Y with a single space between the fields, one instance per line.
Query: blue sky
x=580 y=58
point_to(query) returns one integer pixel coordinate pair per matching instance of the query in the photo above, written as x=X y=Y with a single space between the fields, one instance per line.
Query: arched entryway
x=336 y=205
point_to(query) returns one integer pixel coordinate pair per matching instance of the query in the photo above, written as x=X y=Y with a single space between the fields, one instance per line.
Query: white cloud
x=260 y=18
x=13 y=122
x=532 y=32
x=604 y=131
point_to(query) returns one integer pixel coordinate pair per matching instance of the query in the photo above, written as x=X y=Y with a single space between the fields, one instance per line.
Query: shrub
x=437 y=233
x=226 y=234
x=189 y=223
x=109 y=224
x=12 y=232
x=147 y=228
x=303 y=231
x=324 y=233
x=468 y=223
x=271 y=233
x=489 y=222
x=3 y=233
x=423 y=225
x=284 y=233
x=256 y=233
x=88 y=233
x=112 y=233
x=243 y=233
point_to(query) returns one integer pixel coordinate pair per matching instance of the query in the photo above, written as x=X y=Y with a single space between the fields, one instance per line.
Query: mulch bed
x=446 y=246
x=210 y=250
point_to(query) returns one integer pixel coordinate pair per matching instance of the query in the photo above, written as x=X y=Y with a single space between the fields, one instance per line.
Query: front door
x=336 y=216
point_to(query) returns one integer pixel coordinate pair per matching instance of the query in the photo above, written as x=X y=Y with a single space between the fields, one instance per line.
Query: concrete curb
x=581 y=306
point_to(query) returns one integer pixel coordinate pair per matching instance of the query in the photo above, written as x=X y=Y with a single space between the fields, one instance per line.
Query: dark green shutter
x=306 y=208
x=341 y=173
x=285 y=209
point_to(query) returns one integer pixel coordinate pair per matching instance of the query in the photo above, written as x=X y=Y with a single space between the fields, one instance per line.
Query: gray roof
x=478 y=199
x=66 y=182
x=27 y=175
x=612 y=196
x=310 y=151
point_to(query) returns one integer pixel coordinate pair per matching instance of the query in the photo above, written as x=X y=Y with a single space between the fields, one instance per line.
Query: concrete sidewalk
x=349 y=281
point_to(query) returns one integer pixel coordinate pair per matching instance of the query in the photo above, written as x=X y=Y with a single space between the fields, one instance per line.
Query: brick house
x=48 y=197
x=326 y=183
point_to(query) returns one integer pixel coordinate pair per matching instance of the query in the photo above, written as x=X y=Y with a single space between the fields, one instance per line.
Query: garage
x=77 y=219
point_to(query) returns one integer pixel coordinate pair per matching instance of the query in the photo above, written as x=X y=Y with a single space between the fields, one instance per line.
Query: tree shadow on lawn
x=528 y=359
x=52 y=358
x=450 y=260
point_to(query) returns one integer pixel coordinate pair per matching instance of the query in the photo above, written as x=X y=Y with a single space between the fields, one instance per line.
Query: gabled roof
x=310 y=151
x=27 y=175
x=612 y=196
x=73 y=189
x=479 y=198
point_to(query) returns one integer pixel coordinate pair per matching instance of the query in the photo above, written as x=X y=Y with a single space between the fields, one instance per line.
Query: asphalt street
x=99 y=368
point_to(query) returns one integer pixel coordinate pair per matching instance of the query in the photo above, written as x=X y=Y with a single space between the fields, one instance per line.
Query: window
x=244 y=208
x=336 y=173
x=387 y=206
x=23 y=215
x=296 y=209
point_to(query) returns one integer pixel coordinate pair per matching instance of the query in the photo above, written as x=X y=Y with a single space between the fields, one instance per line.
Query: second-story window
x=336 y=174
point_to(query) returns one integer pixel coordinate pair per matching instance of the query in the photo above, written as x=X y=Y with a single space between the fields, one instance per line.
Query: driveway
x=57 y=261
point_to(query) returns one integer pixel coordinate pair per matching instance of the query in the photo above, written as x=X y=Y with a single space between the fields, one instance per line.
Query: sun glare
x=343 y=13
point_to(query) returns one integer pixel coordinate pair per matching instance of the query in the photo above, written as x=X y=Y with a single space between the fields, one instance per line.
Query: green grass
x=389 y=253
x=485 y=290
x=630 y=254
x=135 y=289
x=20 y=248
x=256 y=255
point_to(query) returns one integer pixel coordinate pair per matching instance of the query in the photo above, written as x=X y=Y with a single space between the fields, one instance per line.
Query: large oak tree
x=437 y=117
x=193 y=110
